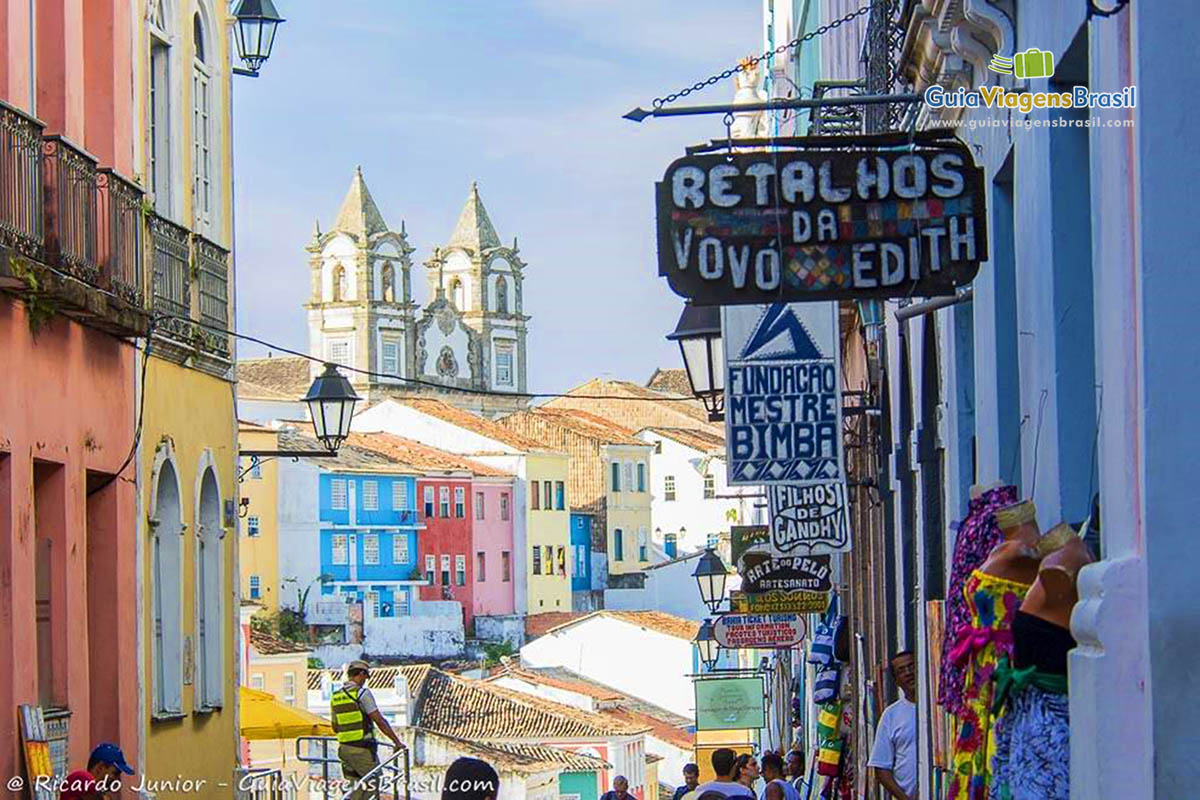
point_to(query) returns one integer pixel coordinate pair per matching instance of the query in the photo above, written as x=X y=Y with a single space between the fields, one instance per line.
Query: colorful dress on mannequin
x=977 y=536
x=993 y=602
x=1033 y=736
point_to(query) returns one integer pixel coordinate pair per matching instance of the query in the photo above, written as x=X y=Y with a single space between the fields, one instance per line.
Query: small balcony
x=70 y=233
x=190 y=279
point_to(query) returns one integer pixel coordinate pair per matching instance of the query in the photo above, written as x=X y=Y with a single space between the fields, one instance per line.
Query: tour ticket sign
x=823 y=218
x=764 y=631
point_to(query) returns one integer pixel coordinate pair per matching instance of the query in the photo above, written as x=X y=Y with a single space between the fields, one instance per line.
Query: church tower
x=360 y=311
x=480 y=279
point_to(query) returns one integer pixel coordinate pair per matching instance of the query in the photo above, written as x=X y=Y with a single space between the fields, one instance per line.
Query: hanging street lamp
x=699 y=335
x=707 y=645
x=330 y=401
x=255 y=23
x=710 y=575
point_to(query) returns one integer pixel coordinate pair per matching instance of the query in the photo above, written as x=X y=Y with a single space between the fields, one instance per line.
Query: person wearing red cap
x=102 y=776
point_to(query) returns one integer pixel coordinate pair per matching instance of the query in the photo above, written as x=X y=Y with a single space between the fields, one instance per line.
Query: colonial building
x=361 y=314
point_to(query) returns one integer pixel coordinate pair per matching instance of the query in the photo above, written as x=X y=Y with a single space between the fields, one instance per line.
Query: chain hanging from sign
x=823 y=218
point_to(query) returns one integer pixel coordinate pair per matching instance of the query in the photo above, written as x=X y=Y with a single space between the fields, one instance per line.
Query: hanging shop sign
x=779 y=602
x=762 y=631
x=728 y=704
x=783 y=394
x=761 y=571
x=826 y=218
x=809 y=519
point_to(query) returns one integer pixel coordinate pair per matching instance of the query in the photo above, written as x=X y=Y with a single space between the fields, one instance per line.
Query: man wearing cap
x=355 y=716
x=101 y=777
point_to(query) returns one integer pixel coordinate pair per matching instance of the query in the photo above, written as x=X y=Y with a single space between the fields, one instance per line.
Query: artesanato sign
x=817 y=220
x=783 y=394
x=745 y=631
x=761 y=571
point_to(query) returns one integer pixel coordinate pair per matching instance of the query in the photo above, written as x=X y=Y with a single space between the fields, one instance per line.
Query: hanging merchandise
x=827 y=684
x=829 y=738
x=977 y=536
x=821 y=652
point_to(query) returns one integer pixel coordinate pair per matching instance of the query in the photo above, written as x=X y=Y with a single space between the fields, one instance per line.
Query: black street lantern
x=699 y=335
x=254 y=33
x=710 y=576
x=331 y=401
x=707 y=645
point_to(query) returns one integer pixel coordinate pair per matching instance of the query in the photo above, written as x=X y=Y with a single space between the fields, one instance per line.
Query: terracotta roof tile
x=659 y=621
x=663 y=724
x=580 y=422
x=538 y=624
x=574 y=762
x=674 y=381
x=473 y=422
x=478 y=710
x=348 y=457
x=704 y=441
x=278 y=378
x=421 y=457
x=266 y=644
x=683 y=407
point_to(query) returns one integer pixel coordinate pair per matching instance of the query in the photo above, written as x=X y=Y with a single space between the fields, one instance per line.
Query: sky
x=524 y=96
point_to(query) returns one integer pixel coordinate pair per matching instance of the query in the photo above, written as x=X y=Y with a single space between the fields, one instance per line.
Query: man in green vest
x=355 y=716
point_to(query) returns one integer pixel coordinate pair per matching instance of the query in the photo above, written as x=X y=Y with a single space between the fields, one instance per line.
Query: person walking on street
x=795 y=769
x=102 y=776
x=724 y=763
x=355 y=717
x=746 y=771
x=778 y=787
x=894 y=756
x=691 y=779
x=620 y=790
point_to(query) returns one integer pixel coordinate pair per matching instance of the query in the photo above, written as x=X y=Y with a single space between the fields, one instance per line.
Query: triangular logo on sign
x=781 y=335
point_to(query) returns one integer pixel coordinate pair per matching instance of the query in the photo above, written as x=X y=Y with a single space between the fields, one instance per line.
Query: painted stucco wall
x=259 y=555
x=691 y=516
x=584 y=784
x=669 y=587
x=628 y=510
x=492 y=536
x=546 y=529
x=268 y=674
x=299 y=526
x=433 y=630
x=189 y=419
x=644 y=663
x=64 y=425
x=447 y=537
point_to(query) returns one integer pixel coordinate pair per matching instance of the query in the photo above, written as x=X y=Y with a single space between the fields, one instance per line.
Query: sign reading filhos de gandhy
x=823 y=219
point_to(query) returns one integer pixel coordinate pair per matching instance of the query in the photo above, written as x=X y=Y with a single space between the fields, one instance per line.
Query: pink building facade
x=492 y=546
x=70 y=308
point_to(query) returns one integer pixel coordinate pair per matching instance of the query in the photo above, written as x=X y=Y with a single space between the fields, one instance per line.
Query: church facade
x=467 y=345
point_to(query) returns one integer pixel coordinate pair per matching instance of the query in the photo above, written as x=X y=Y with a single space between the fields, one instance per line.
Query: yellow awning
x=265 y=717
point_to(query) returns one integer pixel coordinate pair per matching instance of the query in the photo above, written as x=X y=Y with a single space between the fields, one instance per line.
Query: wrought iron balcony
x=212 y=267
x=20 y=182
x=70 y=194
x=121 y=239
x=171 y=279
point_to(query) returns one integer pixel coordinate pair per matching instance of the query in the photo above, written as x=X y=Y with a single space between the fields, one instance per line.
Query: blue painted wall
x=581 y=547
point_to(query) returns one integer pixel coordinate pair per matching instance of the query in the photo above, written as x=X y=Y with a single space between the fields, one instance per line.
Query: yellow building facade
x=551 y=590
x=627 y=501
x=258 y=530
x=187 y=453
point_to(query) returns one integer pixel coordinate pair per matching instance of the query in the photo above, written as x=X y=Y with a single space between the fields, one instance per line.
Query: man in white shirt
x=894 y=755
x=723 y=760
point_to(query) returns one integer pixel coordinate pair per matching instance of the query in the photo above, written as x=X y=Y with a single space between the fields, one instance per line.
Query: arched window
x=166 y=586
x=339 y=283
x=202 y=137
x=501 y=295
x=210 y=633
x=457 y=295
x=389 y=283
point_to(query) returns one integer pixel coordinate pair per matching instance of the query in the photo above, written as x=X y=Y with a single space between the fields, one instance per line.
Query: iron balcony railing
x=121 y=239
x=212 y=268
x=70 y=193
x=171 y=285
x=21 y=224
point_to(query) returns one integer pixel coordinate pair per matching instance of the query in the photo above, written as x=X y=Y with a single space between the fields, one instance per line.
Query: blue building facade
x=368 y=539
x=581 y=551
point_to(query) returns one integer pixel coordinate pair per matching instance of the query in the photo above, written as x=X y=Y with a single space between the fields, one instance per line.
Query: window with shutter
x=370 y=495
